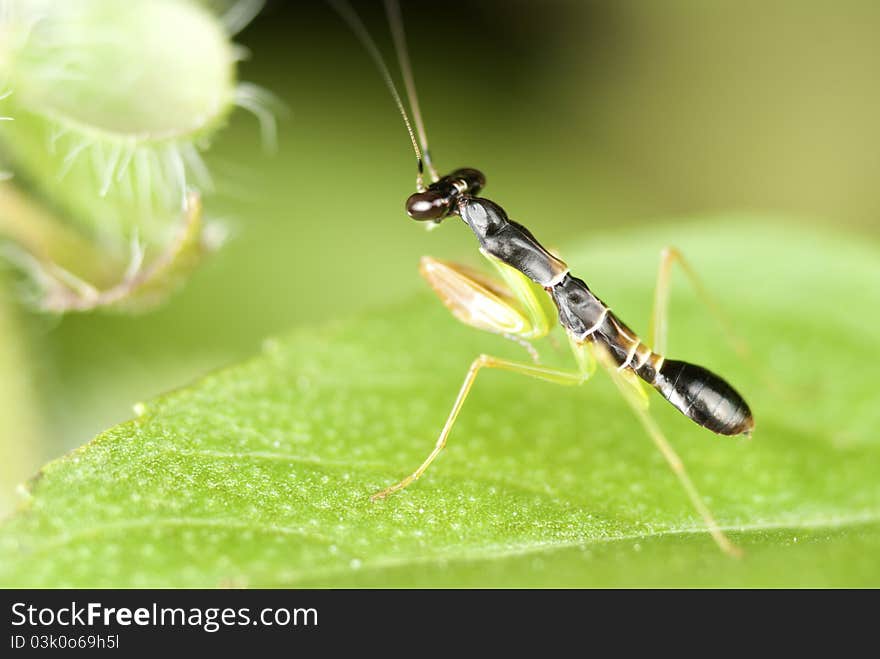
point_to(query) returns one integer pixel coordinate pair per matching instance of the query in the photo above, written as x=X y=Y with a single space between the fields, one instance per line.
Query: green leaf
x=260 y=474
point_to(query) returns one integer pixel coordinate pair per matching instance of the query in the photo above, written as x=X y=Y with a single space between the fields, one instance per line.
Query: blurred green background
x=585 y=116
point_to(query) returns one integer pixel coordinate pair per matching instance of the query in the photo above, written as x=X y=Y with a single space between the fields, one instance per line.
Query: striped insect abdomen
x=704 y=397
x=695 y=391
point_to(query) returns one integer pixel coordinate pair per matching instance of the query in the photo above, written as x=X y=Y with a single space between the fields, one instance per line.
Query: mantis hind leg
x=660 y=313
x=638 y=405
x=660 y=317
x=483 y=361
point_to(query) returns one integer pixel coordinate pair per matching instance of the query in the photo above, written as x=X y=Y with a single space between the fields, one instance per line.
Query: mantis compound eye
x=441 y=199
x=428 y=205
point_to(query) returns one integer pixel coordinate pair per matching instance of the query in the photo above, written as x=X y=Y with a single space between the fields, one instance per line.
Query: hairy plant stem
x=36 y=229
x=21 y=431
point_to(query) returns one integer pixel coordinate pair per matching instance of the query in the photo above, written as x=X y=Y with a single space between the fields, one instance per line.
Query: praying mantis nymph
x=509 y=305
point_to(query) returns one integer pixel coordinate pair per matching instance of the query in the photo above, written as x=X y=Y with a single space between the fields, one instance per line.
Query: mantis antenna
x=395 y=20
x=348 y=14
